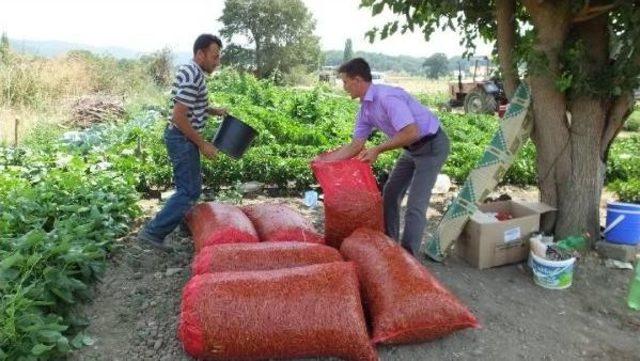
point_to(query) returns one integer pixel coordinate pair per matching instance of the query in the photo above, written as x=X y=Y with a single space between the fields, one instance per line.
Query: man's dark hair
x=204 y=41
x=356 y=67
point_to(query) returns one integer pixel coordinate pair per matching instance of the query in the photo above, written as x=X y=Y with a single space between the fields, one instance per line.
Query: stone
x=620 y=252
x=251 y=187
x=172 y=271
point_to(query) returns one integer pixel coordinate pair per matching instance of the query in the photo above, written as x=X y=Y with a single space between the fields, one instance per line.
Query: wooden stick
x=15 y=133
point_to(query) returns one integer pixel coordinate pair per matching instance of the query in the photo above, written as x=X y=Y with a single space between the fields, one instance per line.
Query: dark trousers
x=415 y=171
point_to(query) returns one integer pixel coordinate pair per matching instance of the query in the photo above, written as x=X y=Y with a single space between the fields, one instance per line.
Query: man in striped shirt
x=183 y=139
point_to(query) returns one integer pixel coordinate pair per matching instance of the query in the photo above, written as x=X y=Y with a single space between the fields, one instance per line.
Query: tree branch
x=506 y=41
x=618 y=113
x=589 y=12
x=620 y=110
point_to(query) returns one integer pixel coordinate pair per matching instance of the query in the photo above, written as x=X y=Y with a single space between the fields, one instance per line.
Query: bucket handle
x=613 y=224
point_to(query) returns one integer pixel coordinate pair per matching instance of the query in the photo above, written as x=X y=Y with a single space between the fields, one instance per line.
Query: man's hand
x=218 y=111
x=347 y=151
x=208 y=150
x=368 y=155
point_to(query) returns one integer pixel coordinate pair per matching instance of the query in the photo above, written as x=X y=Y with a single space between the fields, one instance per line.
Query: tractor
x=477 y=96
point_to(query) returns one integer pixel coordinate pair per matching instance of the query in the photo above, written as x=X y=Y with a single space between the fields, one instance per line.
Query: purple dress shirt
x=390 y=109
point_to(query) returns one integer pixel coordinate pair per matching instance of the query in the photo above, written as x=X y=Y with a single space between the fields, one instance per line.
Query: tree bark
x=582 y=194
x=506 y=39
x=551 y=132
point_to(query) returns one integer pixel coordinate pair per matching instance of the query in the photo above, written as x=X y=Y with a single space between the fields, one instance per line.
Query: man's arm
x=404 y=137
x=181 y=121
x=217 y=111
x=345 y=152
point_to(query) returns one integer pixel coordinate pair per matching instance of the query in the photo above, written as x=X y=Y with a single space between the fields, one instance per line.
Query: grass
x=40 y=92
x=417 y=85
x=28 y=120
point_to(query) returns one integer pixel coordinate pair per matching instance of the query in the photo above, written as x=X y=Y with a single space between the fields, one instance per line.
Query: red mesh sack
x=351 y=198
x=262 y=256
x=216 y=223
x=312 y=311
x=405 y=302
x=279 y=223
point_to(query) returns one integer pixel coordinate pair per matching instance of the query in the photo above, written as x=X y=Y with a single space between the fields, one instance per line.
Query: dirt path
x=134 y=315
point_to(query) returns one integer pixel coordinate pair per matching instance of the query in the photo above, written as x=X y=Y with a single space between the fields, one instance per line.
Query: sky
x=150 y=25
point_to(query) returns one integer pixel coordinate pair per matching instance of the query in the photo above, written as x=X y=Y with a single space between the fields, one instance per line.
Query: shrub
x=627 y=191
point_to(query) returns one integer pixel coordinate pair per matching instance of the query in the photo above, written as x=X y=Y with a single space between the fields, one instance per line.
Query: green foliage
x=632 y=123
x=379 y=62
x=159 y=66
x=579 y=72
x=348 y=50
x=628 y=191
x=624 y=162
x=433 y=101
x=61 y=212
x=280 y=30
x=4 y=48
x=436 y=66
x=238 y=57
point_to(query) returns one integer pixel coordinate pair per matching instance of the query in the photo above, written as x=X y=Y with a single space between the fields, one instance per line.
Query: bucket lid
x=624 y=205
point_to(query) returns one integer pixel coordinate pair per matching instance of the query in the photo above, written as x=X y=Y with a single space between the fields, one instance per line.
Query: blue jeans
x=187 y=176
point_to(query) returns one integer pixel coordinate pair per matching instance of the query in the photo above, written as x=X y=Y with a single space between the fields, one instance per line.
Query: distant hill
x=53 y=48
x=381 y=62
x=402 y=63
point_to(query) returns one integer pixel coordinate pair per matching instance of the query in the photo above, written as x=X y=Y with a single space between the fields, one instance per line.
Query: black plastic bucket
x=234 y=137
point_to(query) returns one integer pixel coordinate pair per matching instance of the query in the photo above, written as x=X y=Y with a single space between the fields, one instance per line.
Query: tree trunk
x=589 y=115
x=551 y=132
x=506 y=38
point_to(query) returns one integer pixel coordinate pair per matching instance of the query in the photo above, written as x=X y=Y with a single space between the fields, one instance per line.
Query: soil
x=135 y=311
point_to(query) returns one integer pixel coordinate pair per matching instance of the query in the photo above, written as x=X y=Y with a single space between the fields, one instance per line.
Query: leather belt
x=422 y=141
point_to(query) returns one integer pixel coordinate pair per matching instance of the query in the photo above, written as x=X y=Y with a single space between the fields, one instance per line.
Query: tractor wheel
x=479 y=102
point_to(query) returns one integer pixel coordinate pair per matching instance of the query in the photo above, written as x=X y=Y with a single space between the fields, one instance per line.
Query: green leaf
x=39 y=349
x=64 y=294
x=377 y=9
x=88 y=340
x=77 y=341
x=49 y=336
x=63 y=345
x=10 y=261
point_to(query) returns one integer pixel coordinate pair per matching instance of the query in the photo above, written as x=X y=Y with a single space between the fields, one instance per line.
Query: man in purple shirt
x=407 y=124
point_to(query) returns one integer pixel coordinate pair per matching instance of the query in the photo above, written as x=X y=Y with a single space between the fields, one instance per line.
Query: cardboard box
x=486 y=242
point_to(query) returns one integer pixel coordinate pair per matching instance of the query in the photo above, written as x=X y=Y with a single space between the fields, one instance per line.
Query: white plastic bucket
x=555 y=275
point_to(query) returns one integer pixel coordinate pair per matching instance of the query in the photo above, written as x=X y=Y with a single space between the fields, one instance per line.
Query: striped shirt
x=190 y=89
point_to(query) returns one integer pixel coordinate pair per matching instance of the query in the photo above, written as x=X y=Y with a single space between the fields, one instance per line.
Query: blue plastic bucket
x=555 y=275
x=623 y=223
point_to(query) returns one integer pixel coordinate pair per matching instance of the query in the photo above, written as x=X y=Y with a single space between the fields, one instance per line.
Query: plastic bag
x=217 y=223
x=351 y=198
x=279 y=223
x=405 y=302
x=262 y=256
x=312 y=311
